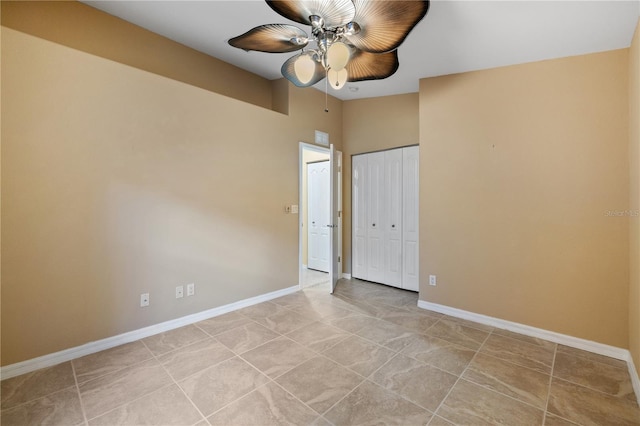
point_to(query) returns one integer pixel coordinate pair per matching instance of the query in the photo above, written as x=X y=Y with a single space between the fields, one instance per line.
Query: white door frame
x=303 y=146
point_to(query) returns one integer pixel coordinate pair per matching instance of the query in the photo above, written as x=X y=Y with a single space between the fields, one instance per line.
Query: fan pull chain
x=326 y=93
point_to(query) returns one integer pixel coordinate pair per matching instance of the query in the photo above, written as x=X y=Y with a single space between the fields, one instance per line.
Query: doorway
x=314 y=201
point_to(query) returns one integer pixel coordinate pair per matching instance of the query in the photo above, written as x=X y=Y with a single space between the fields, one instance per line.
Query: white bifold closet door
x=375 y=203
x=359 y=221
x=385 y=217
x=393 y=217
x=410 y=218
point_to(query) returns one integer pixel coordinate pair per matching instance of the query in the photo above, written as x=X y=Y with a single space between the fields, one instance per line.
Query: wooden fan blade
x=334 y=12
x=372 y=66
x=385 y=24
x=271 y=38
x=288 y=72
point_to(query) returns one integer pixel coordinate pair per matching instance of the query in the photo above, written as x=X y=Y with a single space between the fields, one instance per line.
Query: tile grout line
x=180 y=387
x=553 y=364
x=460 y=377
x=75 y=378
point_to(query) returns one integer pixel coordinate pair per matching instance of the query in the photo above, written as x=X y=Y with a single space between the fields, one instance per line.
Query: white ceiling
x=454 y=37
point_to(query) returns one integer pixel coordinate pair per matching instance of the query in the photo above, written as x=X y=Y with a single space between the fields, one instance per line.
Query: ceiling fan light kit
x=353 y=40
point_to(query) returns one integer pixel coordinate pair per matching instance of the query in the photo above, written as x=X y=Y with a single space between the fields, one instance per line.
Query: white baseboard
x=635 y=380
x=49 y=360
x=563 y=339
x=346 y=276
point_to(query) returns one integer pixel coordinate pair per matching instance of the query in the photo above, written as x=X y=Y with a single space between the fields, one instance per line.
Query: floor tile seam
x=323 y=414
x=553 y=364
x=428 y=364
x=290 y=331
x=229 y=329
x=623 y=399
x=150 y=356
x=206 y=417
x=175 y=382
x=526 y=338
x=209 y=366
x=544 y=410
x=270 y=341
x=450 y=340
x=376 y=343
x=624 y=368
x=529 y=345
x=435 y=412
x=279 y=375
x=129 y=402
x=467 y=379
x=297 y=399
x=244 y=351
x=521 y=364
x=321 y=352
x=184 y=346
x=120 y=370
x=77 y=386
x=333 y=361
x=572 y=422
x=518 y=365
x=74 y=386
x=370 y=379
x=398 y=395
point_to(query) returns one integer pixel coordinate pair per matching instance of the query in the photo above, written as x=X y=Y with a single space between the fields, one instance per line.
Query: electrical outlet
x=144 y=300
x=432 y=280
x=191 y=289
x=179 y=291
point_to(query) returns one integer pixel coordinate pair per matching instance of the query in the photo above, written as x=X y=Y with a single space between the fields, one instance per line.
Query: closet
x=385 y=217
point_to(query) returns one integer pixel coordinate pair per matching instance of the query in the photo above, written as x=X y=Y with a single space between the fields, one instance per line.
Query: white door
x=410 y=218
x=375 y=217
x=335 y=168
x=359 y=217
x=393 y=214
x=318 y=181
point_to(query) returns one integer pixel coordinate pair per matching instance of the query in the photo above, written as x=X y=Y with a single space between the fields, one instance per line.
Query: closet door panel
x=375 y=217
x=393 y=180
x=410 y=218
x=359 y=217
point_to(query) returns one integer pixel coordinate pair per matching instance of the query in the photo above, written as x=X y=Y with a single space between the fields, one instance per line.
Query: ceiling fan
x=353 y=40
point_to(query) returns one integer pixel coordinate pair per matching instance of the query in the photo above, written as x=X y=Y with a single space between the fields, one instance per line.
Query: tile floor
x=366 y=355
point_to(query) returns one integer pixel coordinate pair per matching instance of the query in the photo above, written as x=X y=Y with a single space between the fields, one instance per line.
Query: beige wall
x=518 y=166
x=634 y=196
x=117 y=181
x=82 y=27
x=372 y=125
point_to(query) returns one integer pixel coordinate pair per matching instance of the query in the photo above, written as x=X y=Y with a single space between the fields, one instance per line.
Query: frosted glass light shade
x=337 y=79
x=304 y=68
x=338 y=55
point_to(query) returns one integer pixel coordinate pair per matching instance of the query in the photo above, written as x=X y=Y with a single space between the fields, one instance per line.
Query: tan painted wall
x=634 y=196
x=117 y=181
x=370 y=125
x=82 y=27
x=518 y=166
x=307 y=157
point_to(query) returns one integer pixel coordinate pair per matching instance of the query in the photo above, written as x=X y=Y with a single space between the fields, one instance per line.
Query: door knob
x=374 y=225
x=393 y=226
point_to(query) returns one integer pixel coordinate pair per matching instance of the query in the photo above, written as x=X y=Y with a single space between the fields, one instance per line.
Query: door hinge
x=339 y=213
x=338 y=259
